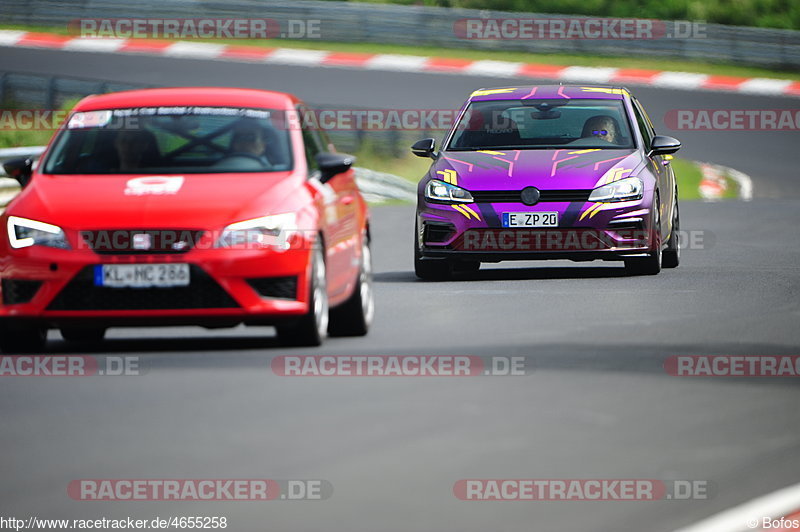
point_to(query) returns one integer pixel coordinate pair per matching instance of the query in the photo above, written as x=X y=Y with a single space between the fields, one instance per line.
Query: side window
x=644 y=124
x=312 y=143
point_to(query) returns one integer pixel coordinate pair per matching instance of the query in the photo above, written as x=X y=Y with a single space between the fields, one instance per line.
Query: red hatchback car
x=200 y=206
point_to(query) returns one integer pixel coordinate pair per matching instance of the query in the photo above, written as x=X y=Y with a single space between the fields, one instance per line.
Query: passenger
x=136 y=149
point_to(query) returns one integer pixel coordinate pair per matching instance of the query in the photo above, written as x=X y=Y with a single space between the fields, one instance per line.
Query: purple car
x=548 y=172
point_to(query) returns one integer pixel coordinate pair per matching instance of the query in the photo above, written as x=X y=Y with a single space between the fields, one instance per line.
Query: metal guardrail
x=423 y=25
x=25 y=91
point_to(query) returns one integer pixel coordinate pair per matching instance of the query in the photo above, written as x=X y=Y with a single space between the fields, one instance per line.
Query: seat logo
x=153 y=186
x=142 y=241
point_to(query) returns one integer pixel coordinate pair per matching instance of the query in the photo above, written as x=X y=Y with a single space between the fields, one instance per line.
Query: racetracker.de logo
x=397 y=366
x=195 y=28
x=733 y=119
x=604 y=489
x=69 y=366
x=198 y=490
x=733 y=366
x=581 y=28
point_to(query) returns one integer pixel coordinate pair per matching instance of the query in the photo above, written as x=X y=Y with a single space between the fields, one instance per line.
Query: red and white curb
x=404 y=63
x=715 y=180
x=780 y=508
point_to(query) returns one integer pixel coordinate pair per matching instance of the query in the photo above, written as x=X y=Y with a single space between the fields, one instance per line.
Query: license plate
x=141 y=275
x=530 y=219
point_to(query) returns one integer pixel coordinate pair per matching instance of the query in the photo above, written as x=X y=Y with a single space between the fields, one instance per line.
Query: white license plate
x=530 y=219
x=141 y=275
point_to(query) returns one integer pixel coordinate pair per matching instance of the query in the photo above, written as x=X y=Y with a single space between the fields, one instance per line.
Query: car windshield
x=170 y=140
x=542 y=124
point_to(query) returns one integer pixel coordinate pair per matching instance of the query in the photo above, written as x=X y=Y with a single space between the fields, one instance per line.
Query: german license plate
x=530 y=219
x=141 y=275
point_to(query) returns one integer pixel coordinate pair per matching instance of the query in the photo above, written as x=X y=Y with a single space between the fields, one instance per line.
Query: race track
x=596 y=404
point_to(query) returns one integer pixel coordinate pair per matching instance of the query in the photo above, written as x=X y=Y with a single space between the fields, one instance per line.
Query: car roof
x=521 y=92
x=189 y=96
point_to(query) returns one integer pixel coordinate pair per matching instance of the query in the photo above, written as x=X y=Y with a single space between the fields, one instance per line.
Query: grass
x=497 y=55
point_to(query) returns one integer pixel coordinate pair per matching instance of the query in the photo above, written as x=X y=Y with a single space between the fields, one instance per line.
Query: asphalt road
x=596 y=404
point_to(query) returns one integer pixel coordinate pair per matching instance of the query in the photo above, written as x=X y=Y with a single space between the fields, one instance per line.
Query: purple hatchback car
x=548 y=172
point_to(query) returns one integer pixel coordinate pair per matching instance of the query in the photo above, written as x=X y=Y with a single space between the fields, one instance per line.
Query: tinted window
x=171 y=140
x=543 y=124
x=644 y=124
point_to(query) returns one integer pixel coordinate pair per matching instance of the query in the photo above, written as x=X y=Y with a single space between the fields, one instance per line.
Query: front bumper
x=586 y=231
x=228 y=286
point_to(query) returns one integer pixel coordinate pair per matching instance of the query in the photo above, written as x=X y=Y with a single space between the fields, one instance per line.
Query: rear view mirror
x=19 y=169
x=424 y=148
x=333 y=164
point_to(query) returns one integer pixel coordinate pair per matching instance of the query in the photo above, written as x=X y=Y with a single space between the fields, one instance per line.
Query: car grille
x=141 y=241
x=18 y=291
x=82 y=294
x=275 y=287
x=515 y=196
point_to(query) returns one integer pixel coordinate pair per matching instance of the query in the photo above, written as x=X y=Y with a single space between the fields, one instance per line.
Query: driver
x=249 y=138
x=602 y=127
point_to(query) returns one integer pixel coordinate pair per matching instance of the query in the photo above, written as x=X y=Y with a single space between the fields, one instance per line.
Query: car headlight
x=626 y=189
x=23 y=233
x=268 y=231
x=440 y=192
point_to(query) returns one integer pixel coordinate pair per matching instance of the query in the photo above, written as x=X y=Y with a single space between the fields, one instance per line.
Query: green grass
x=498 y=55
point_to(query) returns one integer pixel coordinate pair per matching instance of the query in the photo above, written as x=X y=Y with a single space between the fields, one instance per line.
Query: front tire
x=83 y=335
x=672 y=255
x=354 y=316
x=312 y=328
x=16 y=337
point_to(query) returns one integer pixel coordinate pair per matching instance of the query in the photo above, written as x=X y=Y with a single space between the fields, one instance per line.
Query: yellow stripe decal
x=448 y=176
x=461 y=210
x=589 y=210
x=471 y=211
x=486 y=92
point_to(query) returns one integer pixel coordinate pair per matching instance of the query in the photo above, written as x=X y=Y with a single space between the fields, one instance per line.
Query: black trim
x=19 y=291
x=82 y=294
x=515 y=196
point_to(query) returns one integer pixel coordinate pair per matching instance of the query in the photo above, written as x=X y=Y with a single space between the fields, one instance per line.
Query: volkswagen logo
x=530 y=195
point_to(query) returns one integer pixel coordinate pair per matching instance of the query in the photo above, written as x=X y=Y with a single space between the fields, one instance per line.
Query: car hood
x=545 y=169
x=194 y=201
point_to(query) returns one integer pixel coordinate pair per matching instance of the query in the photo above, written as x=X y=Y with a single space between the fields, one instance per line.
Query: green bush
x=763 y=13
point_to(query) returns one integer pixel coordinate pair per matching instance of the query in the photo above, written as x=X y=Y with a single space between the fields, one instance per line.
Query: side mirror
x=663 y=145
x=424 y=148
x=19 y=169
x=333 y=164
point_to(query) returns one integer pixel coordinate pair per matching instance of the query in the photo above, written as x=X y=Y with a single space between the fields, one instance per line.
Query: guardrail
x=423 y=25
x=26 y=91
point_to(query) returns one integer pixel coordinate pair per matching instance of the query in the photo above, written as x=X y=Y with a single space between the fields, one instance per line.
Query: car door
x=660 y=167
x=337 y=213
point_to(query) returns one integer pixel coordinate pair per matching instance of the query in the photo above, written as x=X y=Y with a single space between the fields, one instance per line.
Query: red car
x=200 y=206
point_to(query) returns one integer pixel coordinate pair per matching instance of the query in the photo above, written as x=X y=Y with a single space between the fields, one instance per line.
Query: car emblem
x=180 y=245
x=142 y=241
x=530 y=195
